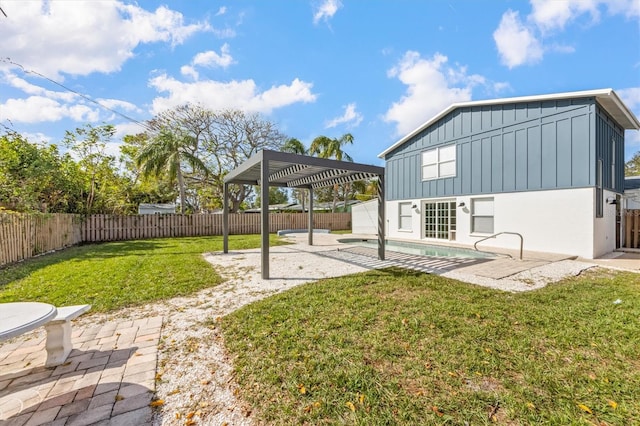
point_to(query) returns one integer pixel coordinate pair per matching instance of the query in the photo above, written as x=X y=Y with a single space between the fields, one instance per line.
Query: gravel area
x=195 y=375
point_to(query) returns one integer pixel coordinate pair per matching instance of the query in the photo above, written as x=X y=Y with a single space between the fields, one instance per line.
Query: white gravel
x=196 y=375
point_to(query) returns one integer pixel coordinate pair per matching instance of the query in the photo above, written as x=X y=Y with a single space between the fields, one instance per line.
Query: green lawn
x=114 y=275
x=395 y=347
x=389 y=347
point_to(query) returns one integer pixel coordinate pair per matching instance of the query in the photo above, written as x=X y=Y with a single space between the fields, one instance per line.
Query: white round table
x=17 y=318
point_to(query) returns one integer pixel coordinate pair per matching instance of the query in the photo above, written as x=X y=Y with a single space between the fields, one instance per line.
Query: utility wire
x=83 y=96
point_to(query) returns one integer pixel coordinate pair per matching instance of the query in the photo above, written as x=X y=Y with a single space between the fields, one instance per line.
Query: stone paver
x=109 y=377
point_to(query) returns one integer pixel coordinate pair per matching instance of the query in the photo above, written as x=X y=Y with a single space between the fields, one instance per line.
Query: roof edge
x=598 y=93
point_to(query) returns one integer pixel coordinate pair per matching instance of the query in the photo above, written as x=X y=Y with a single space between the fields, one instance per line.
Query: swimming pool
x=420 y=249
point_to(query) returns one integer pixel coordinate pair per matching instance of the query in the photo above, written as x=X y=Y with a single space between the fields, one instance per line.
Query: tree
x=222 y=140
x=169 y=152
x=294 y=146
x=36 y=177
x=143 y=189
x=632 y=167
x=232 y=138
x=102 y=183
x=276 y=196
x=325 y=147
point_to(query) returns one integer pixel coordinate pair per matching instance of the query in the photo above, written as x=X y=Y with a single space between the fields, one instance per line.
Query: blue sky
x=376 y=69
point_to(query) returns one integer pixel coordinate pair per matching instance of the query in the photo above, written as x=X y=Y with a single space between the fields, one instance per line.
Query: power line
x=83 y=96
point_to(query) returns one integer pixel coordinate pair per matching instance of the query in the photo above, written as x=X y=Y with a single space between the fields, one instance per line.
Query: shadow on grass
x=17 y=271
x=158 y=248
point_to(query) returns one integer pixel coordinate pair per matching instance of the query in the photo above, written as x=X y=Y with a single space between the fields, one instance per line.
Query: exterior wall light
x=461 y=204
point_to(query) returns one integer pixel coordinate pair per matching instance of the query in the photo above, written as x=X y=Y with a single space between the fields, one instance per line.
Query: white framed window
x=440 y=220
x=404 y=217
x=613 y=164
x=439 y=163
x=599 y=191
x=482 y=215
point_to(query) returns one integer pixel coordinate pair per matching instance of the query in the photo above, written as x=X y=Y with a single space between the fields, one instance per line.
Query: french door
x=440 y=220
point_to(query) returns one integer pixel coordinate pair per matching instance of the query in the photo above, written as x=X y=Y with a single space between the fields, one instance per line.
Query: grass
x=406 y=348
x=114 y=275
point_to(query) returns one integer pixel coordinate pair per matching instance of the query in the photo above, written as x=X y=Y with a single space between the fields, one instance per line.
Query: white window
x=439 y=163
x=482 y=215
x=404 y=216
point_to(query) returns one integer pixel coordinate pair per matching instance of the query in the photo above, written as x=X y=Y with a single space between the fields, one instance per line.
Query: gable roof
x=607 y=98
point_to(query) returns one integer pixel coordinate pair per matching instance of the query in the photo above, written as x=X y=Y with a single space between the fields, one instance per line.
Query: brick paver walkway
x=108 y=379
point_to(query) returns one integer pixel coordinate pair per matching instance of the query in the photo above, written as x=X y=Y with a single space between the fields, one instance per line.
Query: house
x=156 y=208
x=548 y=167
x=632 y=192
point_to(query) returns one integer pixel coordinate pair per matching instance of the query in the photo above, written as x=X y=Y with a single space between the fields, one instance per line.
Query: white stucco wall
x=364 y=218
x=556 y=221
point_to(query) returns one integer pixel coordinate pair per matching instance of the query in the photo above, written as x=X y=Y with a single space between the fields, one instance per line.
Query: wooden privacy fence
x=23 y=236
x=116 y=228
x=632 y=228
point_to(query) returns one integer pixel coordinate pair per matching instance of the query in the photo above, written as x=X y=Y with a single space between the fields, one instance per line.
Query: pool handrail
x=500 y=233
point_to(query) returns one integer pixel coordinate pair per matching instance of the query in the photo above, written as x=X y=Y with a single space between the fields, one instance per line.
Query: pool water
x=420 y=249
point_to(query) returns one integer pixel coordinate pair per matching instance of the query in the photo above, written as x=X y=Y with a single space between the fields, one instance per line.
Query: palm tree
x=167 y=153
x=325 y=147
x=294 y=146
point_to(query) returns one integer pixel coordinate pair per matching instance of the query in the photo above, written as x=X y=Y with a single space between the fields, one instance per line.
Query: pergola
x=272 y=168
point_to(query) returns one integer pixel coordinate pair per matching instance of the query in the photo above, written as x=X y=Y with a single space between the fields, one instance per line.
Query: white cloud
x=554 y=15
x=325 y=10
x=517 y=45
x=42 y=105
x=212 y=59
x=35 y=109
x=521 y=41
x=119 y=105
x=80 y=38
x=189 y=71
x=38 y=138
x=631 y=98
x=32 y=89
x=351 y=117
x=208 y=59
x=429 y=89
x=221 y=11
x=500 y=87
x=127 y=128
x=244 y=95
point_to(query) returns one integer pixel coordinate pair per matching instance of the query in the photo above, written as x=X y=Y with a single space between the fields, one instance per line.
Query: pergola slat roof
x=300 y=171
x=288 y=170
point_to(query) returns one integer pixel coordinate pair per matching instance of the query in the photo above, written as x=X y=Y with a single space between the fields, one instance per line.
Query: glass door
x=440 y=220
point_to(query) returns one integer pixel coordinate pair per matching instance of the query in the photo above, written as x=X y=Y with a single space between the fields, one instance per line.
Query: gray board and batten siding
x=512 y=147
